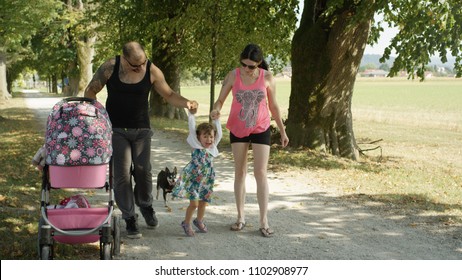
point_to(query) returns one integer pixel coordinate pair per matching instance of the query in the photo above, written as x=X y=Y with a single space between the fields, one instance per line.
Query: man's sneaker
x=149 y=216
x=132 y=228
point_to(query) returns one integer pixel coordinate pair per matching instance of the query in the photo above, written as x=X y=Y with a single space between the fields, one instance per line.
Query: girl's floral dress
x=198 y=176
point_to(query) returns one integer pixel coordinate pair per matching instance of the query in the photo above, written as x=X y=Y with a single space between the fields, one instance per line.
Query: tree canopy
x=425 y=29
x=19 y=22
x=208 y=36
x=327 y=49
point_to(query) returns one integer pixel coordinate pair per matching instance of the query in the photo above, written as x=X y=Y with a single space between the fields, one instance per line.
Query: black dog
x=166 y=180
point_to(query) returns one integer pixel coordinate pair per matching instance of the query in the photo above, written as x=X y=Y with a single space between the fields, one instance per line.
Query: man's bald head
x=134 y=51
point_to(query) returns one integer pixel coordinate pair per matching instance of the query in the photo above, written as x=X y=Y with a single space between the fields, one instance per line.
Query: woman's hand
x=215 y=114
x=284 y=140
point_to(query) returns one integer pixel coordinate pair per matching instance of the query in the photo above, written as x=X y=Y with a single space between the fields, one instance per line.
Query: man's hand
x=192 y=106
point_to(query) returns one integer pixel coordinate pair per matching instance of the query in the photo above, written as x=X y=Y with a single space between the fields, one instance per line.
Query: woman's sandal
x=187 y=229
x=238 y=226
x=266 y=232
x=200 y=226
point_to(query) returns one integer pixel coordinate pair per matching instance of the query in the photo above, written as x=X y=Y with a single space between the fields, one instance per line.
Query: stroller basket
x=77 y=225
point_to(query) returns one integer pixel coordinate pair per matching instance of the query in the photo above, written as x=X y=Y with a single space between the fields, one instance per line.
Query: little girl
x=198 y=176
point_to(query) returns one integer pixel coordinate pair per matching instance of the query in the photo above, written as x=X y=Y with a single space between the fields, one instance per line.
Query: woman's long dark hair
x=254 y=53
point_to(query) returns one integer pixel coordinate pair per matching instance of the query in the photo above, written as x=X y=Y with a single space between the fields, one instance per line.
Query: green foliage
x=49 y=44
x=21 y=20
x=198 y=26
x=384 y=67
x=426 y=28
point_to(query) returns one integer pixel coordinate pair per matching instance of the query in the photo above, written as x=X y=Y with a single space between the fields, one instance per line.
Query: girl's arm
x=219 y=131
x=192 y=137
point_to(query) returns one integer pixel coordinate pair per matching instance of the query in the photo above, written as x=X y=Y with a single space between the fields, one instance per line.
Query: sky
x=384 y=41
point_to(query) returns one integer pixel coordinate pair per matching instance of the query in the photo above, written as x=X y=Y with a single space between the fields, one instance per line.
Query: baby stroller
x=78 y=156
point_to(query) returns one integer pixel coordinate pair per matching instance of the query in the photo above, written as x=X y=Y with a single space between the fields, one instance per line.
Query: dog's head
x=171 y=175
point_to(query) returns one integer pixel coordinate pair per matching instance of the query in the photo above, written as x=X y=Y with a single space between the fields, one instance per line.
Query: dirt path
x=311 y=222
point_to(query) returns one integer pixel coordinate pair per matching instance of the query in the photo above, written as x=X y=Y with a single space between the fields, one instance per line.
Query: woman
x=254 y=92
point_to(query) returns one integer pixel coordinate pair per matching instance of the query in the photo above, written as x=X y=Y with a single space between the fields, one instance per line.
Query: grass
x=418 y=161
x=416 y=172
x=19 y=182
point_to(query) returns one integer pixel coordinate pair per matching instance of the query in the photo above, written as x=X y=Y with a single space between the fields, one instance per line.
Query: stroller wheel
x=116 y=235
x=106 y=252
x=45 y=241
x=45 y=253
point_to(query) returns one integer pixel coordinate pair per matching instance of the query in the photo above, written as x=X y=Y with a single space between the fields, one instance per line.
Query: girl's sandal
x=266 y=232
x=187 y=229
x=237 y=226
x=200 y=226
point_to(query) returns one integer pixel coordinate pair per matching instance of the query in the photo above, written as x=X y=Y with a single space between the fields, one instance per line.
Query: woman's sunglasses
x=251 y=67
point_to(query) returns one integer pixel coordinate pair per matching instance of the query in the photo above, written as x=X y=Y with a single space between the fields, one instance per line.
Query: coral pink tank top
x=249 y=110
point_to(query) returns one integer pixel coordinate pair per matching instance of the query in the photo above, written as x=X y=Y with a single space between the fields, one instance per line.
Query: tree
x=212 y=34
x=80 y=30
x=153 y=24
x=19 y=22
x=85 y=39
x=326 y=53
x=384 y=67
x=225 y=27
x=205 y=35
x=55 y=53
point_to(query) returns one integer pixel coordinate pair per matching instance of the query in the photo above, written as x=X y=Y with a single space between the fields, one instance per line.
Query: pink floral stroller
x=78 y=154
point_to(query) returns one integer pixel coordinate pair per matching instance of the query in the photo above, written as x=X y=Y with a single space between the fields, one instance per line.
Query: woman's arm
x=274 y=107
x=225 y=89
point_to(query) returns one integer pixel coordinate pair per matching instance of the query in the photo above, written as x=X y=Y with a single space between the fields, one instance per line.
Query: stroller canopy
x=78 y=132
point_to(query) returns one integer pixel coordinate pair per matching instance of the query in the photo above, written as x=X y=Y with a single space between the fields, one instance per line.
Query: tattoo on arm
x=100 y=78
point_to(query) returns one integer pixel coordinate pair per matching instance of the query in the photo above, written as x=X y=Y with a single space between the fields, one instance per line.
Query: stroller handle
x=78 y=99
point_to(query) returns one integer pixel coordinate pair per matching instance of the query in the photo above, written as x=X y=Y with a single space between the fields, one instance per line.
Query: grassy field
x=416 y=172
x=417 y=166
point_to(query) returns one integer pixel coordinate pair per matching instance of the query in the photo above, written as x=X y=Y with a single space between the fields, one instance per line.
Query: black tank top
x=128 y=104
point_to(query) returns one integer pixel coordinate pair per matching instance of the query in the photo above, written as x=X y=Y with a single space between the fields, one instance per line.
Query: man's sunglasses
x=251 y=67
x=135 y=66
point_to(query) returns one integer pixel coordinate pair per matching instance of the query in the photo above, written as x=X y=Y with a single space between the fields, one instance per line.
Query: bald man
x=129 y=78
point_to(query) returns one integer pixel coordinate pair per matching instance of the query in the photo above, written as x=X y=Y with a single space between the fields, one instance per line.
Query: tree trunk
x=214 y=52
x=4 y=94
x=213 y=73
x=166 y=62
x=54 y=84
x=325 y=61
x=85 y=54
x=74 y=81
